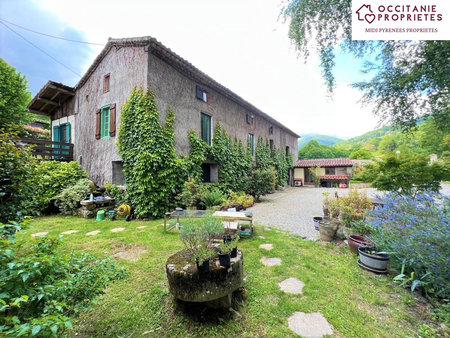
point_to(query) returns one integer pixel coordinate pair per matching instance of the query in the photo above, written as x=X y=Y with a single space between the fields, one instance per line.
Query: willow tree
x=411 y=78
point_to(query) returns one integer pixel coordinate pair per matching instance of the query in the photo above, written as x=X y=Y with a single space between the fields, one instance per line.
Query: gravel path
x=293 y=208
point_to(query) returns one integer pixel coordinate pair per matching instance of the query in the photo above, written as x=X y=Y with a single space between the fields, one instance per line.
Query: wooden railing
x=49 y=150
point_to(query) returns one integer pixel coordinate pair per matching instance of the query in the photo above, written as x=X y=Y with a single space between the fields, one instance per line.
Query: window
x=117 y=173
x=271 y=145
x=61 y=133
x=249 y=119
x=287 y=151
x=104 y=122
x=271 y=130
x=251 y=143
x=106 y=84
x=206 y=128
x=201 y=94
x=330 y=171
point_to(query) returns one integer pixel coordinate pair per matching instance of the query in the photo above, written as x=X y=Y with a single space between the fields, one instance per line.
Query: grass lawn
x=355 y=302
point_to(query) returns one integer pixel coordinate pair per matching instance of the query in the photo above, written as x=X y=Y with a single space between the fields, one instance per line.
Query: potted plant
x=224 y=257
x=372 y=260
x=325 y=205
x=197 y=235
x=327 y=230
x=316 y=221
x=355 y=241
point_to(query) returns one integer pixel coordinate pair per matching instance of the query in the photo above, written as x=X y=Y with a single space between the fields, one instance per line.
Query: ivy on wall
x=150 y=164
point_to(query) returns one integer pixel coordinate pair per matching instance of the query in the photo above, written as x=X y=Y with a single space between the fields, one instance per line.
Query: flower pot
x=226 y=239
x=234 y=252
x=376 y=262
x=316 y=221
x=327 y=231
x=204 y=267
x=224 y=259
x=355 y=241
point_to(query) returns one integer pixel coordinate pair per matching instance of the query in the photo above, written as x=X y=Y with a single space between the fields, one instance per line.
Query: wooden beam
x=67 y=92
x=48 y=101
x=38 y=112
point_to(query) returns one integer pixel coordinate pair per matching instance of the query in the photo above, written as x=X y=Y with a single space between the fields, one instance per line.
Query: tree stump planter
x=327 y=231
x=214 y=287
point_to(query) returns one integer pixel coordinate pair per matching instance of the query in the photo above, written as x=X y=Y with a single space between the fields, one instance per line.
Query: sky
x=242 y=44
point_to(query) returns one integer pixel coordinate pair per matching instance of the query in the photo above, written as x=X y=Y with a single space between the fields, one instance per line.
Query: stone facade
x=144 y=62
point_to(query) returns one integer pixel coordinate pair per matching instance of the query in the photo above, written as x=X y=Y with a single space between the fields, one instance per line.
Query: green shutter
x=104 y=124
x=67 y=133
x=206 y=128
x=56 y=134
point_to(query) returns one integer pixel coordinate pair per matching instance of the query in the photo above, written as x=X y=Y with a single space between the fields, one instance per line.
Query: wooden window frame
x=251 y=141
x=105 y=115
x=330 y=171
x=208 y=136
x=106 y=83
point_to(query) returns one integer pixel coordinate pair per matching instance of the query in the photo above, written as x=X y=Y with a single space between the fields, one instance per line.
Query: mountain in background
x=372 y=137
x=321 y=139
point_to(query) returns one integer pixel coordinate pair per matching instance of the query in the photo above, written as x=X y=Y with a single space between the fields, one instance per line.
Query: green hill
x=321 y=139
x=371 y=138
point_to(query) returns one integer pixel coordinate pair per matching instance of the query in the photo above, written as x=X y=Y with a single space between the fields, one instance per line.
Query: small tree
x=407 y=174
x=14 y=97
x=150 y=164
x=315 y=173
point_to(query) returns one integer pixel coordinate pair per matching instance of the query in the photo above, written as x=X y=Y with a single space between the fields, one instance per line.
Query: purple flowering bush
x=416 y=232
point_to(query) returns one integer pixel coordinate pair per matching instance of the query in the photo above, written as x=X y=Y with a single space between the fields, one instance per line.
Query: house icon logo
x=365 y=13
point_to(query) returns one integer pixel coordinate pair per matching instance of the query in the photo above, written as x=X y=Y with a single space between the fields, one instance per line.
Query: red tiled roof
x=324 y=162
x=334 y=177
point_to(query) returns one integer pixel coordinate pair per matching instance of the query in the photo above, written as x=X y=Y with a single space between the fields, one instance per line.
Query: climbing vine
x=263 y=154
x=150 y=165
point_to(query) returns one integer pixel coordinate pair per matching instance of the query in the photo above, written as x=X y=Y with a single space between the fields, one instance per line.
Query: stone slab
x=266 y=246
x=270 y=261
x=69 y=232
x=141 y=227
x=292 y=285
x=39 y=234
x=309 y=325
x=93 y=233
x=117 y=229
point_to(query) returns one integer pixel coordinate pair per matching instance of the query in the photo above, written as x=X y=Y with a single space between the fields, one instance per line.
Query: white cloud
x=241 y=44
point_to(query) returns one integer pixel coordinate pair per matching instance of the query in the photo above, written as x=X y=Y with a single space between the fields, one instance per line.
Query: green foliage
x=41 y=290
x=197 y=234
x=354 y=207
x=262 y=181
x=114 y=191
x=51 y=177
x=282 y=164
x=14 y=97
x=214 y=197
x=16 y=172
x=151 y=168
x=192 y=194
x=411 y=77
x=68 y=201
x=238 y=200
x=315 y=173
x=361 y=154
x=197 y=155
x=263 y=154
x=407 y=173
x=315 y=150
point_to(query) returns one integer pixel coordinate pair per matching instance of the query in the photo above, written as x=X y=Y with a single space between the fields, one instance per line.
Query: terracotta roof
x=324 y=162
x=182 y=65
x=334 y=177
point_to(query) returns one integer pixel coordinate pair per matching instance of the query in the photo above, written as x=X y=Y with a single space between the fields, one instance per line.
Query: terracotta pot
x=355 y=241
x=327 y=231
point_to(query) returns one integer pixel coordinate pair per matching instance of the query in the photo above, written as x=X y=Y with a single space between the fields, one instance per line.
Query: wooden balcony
x=49 y=150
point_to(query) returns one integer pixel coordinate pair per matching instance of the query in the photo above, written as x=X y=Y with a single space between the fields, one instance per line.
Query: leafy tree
x=407 y=174
x=361 y=154
x=262 y=181
x=14 y=97
x=411 y=77
x=151 y=168
x=315 y=150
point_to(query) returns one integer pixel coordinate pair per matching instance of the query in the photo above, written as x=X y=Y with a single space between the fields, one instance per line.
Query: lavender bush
x=416 y=230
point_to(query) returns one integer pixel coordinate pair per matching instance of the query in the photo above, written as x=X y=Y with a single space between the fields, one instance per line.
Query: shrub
x=52 y=177
x=213 y=197
x=16 y=172
x=41 y=289
x=262 y=181
x=239 y=200
x=417 y=232
x=114 y=191
x=192 y=194
x=354 y=207
x=68 y=201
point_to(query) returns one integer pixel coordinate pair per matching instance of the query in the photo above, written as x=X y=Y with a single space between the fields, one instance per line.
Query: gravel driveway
x=293 y=208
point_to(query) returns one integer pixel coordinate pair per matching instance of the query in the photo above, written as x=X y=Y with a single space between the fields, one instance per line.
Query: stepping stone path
x=93 y=233
x=141 y=227
x=266 y=246
x=310 y=325
x=270 y=261
x=69 y=232
x=39 y=234
x=292 y=285
x=262 y=237
x=117 y=229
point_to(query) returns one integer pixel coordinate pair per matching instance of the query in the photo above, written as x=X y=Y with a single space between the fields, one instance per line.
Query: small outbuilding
x=331 y=171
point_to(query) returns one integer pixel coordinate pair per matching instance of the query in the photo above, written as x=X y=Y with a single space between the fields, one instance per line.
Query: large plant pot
x=355 y=241
x=316 y=221
x=373 y=262
x=327 y=231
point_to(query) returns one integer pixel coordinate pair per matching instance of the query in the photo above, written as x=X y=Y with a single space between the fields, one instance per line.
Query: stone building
x=332 y=171
x=88 y=115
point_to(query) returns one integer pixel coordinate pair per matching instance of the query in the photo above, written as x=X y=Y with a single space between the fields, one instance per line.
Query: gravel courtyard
x=293 y=208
